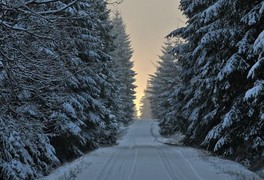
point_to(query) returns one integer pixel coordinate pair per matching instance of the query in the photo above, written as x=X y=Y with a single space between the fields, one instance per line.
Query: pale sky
x=148 y=22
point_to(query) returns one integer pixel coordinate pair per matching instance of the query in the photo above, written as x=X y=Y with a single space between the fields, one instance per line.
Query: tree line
x=66 y=82
x=210 y=81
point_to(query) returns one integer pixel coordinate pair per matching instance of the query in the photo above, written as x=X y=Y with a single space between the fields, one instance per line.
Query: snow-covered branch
x=41 y=2
x=58 y=10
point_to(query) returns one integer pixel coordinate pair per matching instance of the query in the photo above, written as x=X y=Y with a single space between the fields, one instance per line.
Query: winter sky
x=148 y=22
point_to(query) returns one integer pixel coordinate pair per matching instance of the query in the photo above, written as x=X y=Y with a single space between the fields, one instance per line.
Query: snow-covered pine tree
x=222 y=106
x=54 y=72
x=29 y=69
x=87 y=101
x=124 y=75
x=164 y=85
x=197 y=82
x=145 y=109
x=73 y=116
x=109 y=94
x=161 y=80
x=241 y=135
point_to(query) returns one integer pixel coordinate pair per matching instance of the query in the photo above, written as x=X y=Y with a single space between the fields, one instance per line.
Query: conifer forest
x=63 y=79
x=67 y=82
x=210 y=81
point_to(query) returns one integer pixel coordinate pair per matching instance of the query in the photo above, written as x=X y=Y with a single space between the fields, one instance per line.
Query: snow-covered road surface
x=139 y=156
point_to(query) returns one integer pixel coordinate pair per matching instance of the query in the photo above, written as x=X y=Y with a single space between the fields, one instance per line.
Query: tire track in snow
x=189 y=164
x=134 y=164
x=119 y=170
x=108 y=166
x=167 y=166
x=140 y=157
x=170 y=168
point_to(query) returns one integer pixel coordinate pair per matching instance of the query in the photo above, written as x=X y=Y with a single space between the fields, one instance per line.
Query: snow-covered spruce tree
x=122 y=67
x=242 y=127
x=108 y=86
x=223 y=96
x=54 y=72
x=145 y=109
x=164 y=85
x=161 y=80
x=29 y=70
x=82 y=112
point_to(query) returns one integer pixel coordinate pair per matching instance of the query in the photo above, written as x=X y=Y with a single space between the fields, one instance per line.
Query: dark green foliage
x=164 y=85
x=124 y=75
x=220 y=102
x=56 y=81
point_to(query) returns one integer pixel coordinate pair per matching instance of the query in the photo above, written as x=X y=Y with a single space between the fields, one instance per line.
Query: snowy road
x=140 y=157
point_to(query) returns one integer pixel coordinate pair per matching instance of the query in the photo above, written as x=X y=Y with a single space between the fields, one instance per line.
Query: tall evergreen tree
x=145 y=109
x=164 y=85
x=29 y=69
x=125 y=76
x=82 y=112
x=56 y=84
x=222 y=102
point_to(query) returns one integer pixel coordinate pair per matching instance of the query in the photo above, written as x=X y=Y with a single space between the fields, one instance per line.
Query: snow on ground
x=140 y=155
x=225 y=166
x=175 y=139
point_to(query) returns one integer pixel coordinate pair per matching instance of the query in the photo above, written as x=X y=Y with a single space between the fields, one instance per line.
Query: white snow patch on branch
x=255 y=91
x=258 y=66
x=259 y=43
x=235 y=63
x=211 y=12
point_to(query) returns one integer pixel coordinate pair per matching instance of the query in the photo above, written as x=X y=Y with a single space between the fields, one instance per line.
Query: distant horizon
x=148 y=22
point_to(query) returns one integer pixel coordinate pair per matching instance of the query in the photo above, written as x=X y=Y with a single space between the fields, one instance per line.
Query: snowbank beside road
x=225 y=166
